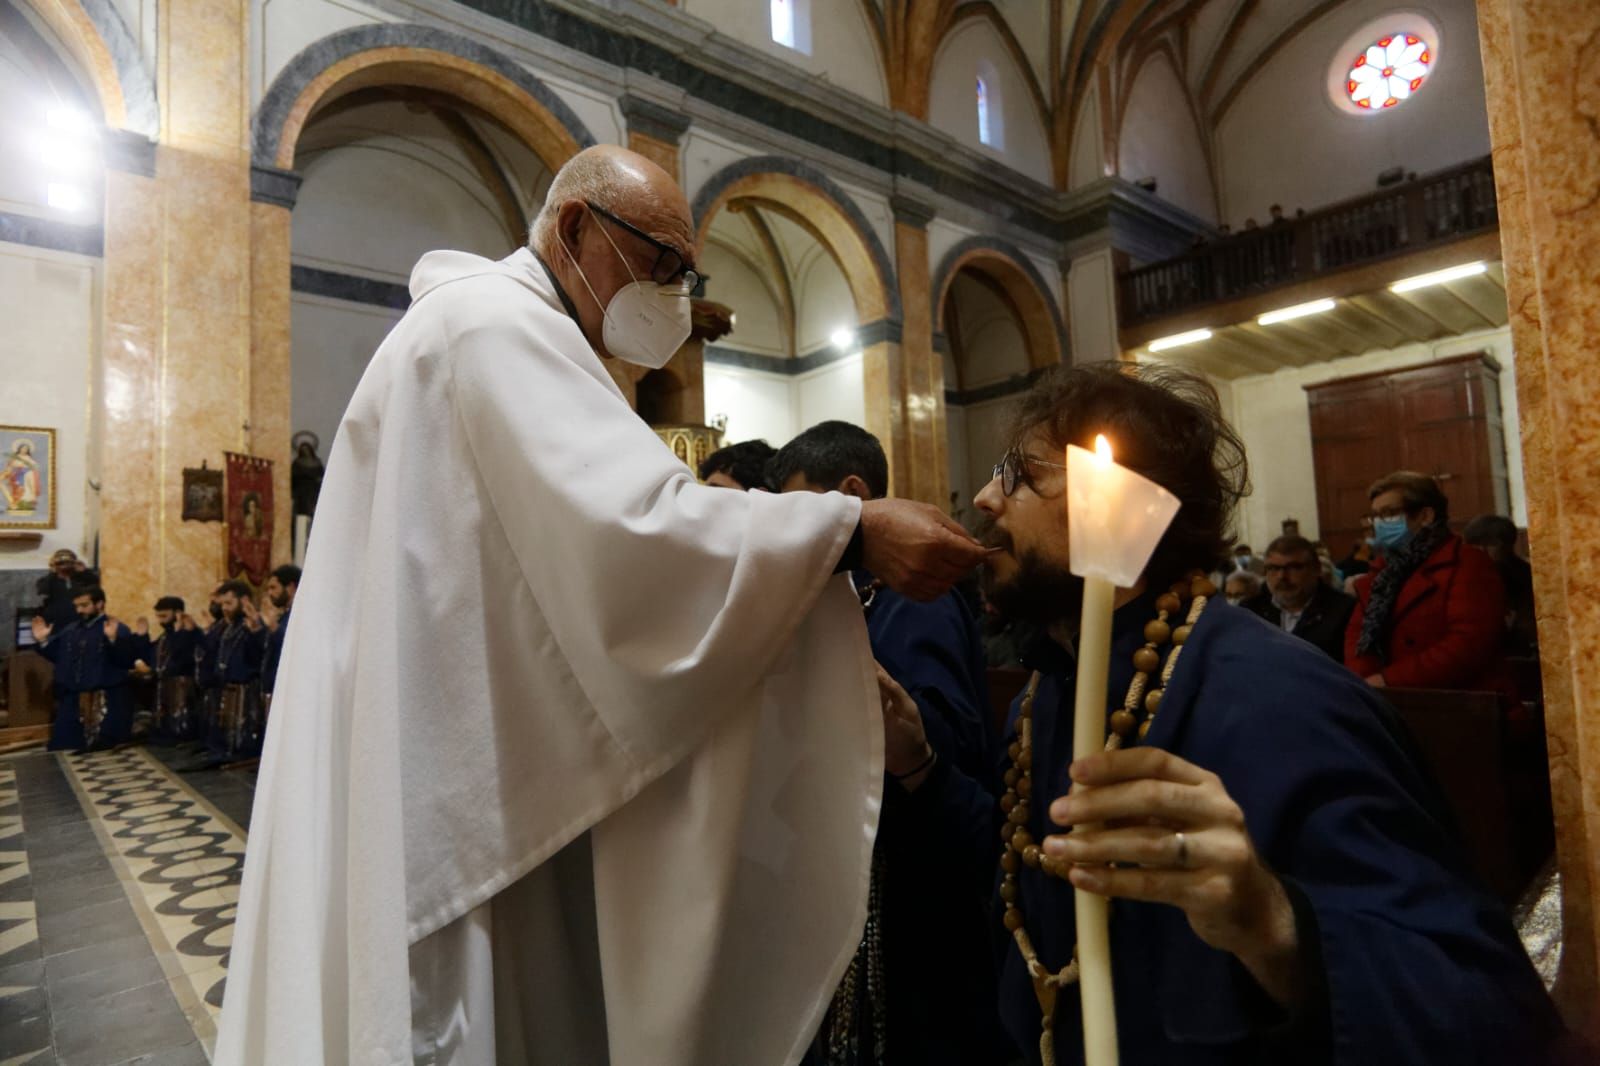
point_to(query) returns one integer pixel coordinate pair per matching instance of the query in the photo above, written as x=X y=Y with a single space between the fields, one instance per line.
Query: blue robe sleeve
x=935 y=652
x=121 y=652
x=51 y=647
x=1419 y=964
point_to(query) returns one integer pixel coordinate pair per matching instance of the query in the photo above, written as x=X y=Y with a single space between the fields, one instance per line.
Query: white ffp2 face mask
x=645 y=323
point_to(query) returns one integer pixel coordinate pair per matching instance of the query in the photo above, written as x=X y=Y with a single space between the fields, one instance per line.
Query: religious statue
x=305 y=474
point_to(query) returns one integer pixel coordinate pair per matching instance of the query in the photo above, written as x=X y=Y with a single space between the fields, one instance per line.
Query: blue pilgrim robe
x=1411 y=961
x=232 y=656
x=940 y=980
x=272 y=652
x=86 y=662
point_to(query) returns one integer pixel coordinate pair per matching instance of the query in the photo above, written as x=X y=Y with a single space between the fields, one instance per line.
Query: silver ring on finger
x=1183 y=850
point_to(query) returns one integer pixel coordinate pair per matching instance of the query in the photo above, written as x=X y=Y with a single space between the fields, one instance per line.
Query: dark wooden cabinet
x=1442 y=418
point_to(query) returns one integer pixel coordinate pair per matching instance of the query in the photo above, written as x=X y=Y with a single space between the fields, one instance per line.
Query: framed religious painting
x=202 y=494
x=27 y=477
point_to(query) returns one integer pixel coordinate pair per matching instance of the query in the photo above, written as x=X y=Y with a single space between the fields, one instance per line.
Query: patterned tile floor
x=118 y=879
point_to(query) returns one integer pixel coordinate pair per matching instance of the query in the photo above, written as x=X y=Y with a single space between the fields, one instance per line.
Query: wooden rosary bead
x=1008 y=801
x=1008 y=890
x=1007 y=831
x=1022 y=840
x=1014 y=750
x=1144 y=727
x=1018 y=815
x=1180 y=635
x=1025 y=760
x=1152 y=701
x=1169 y=602
x=1202 y=586
x=1031 y=855
x=1013 y=919
x=1122 y=723
x=1051 y=866
x=1146 y=661
x=1157 y=632
x=1009 y=861
x=1025 y=787
x=1011 y=777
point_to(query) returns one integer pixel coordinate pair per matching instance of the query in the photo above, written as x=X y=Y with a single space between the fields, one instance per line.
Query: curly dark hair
x=1165 y=424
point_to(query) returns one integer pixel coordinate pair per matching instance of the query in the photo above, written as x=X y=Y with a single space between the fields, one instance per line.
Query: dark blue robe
x=175 y=655
x=232 y=665
x=938 y=959
x=1409 y=959
x=87 y=663
x=272 y=652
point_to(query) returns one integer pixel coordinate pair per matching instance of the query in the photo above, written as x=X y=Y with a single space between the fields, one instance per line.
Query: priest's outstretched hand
x=1176 y=836
x=915 y=548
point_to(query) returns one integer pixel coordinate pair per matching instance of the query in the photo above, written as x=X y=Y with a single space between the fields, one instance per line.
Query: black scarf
x=1398 y=567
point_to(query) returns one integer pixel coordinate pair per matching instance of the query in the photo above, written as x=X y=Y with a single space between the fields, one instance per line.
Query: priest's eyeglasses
x=669 y=270
x=1012 y=470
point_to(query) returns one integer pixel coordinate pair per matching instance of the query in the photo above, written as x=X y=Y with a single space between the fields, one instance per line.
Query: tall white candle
x=1115 y=519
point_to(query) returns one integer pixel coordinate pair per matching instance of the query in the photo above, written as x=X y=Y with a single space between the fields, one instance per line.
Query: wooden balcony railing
x=1436 y=209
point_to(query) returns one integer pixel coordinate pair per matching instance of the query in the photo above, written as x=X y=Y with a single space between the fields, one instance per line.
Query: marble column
x=177 y=313
x=920 y=462
x=270 y=417
x=654 y=131
x=1542 y=75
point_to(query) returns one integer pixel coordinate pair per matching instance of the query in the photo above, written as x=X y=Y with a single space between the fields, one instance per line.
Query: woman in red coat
x=1431 y=613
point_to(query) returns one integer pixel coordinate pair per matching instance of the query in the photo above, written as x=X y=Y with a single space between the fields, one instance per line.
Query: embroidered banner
x=249 y=517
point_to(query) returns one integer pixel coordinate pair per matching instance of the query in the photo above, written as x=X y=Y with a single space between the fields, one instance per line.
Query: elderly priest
x=573 y=760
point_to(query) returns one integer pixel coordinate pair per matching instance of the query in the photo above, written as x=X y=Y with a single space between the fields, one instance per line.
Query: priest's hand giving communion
x=1177 y=837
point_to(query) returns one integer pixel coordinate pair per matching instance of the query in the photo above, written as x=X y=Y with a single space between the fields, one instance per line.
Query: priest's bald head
x=612 y=217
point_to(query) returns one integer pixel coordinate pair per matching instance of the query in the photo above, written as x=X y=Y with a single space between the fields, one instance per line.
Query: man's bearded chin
x=1038 y=592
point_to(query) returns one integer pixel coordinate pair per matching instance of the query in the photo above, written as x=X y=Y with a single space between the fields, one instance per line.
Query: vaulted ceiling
x=1068 y=48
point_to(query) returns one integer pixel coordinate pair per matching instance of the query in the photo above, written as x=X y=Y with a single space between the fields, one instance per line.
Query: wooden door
x=1441 y=419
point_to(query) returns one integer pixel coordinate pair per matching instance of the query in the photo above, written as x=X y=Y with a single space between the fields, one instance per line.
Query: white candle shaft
x=1093 y=912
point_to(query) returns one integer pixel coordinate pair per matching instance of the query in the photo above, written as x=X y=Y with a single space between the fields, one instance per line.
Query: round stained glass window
x=1389 y=71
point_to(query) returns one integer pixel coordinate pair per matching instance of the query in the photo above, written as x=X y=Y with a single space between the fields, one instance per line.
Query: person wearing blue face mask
x=1430 y=612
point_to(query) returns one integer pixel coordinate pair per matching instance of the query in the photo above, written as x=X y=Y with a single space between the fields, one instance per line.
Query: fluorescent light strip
x=1315 y=307
x=1439 y=277
x=1179 y=339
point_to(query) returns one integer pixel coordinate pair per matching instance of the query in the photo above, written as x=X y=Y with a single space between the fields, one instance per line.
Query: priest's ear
x=569 y=225
x=855 y=486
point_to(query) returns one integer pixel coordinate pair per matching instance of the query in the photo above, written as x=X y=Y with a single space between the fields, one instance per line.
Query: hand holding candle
x=1115 y=519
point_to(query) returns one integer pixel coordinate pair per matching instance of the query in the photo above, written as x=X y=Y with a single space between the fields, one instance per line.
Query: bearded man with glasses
x=1300 y=602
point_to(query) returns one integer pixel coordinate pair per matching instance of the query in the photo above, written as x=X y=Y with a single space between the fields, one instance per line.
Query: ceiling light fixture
x=1194 y=336
x=1314 y=307
x=1439 y=277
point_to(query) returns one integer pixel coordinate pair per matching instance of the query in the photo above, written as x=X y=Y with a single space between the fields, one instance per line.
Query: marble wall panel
x=923 y=434
x=270 y=405
x=1542 y=76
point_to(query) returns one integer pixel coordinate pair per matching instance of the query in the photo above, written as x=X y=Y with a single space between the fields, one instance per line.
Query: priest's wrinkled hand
x=905 y=741
x=915 y=548
x=1179 y=838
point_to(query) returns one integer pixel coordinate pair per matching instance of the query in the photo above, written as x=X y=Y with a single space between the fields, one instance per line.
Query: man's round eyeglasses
x=669 y=270
x=1012 y=470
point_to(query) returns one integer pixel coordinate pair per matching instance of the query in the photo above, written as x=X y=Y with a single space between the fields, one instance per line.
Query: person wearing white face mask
x=583 y=764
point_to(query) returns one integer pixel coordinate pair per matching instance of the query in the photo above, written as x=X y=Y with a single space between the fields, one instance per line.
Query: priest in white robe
x=572 y=760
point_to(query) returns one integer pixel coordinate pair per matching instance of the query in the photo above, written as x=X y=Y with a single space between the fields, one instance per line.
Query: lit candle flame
x=1102 y=449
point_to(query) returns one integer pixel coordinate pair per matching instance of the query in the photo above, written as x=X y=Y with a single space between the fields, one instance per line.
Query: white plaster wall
x=332 y=342
x=757 y=405
x=823 y=301
x=1092 y=307
x=1284 y=141
x=703 y=154
x=757 y=321
x=986 y=426
x=281 y=29
x=992 y=343
x=1086 y=164
x=953 y=108
x=956 y=458
x=834 y=391
x=842 y=43
x=1272 y=416
x=49 y=302
x=1159 y=140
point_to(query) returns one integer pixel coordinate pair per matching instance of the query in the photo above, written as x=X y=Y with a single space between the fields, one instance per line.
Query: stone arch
x=814 y=201
x=406 y=54
x=98 y=38
x=1023 y=286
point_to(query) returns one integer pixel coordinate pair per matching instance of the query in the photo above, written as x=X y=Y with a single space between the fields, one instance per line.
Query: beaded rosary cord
x=1020 y=848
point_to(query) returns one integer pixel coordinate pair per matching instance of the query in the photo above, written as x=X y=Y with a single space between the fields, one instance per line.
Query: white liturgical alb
x=572 y=760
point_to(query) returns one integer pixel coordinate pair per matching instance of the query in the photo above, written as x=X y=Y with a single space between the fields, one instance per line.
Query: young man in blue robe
x=92 y=657
x=173 y=659
x=280 y=588
x=920 y=992
x=236 y=730
x=1286 y=883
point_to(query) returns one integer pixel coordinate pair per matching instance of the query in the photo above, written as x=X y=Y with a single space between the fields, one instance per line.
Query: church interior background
x=908 y=209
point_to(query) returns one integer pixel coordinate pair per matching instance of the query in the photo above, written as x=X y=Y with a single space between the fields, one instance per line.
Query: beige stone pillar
x=177 y=313
x=919 y=460
x=1542 y=74
x=270 y=418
